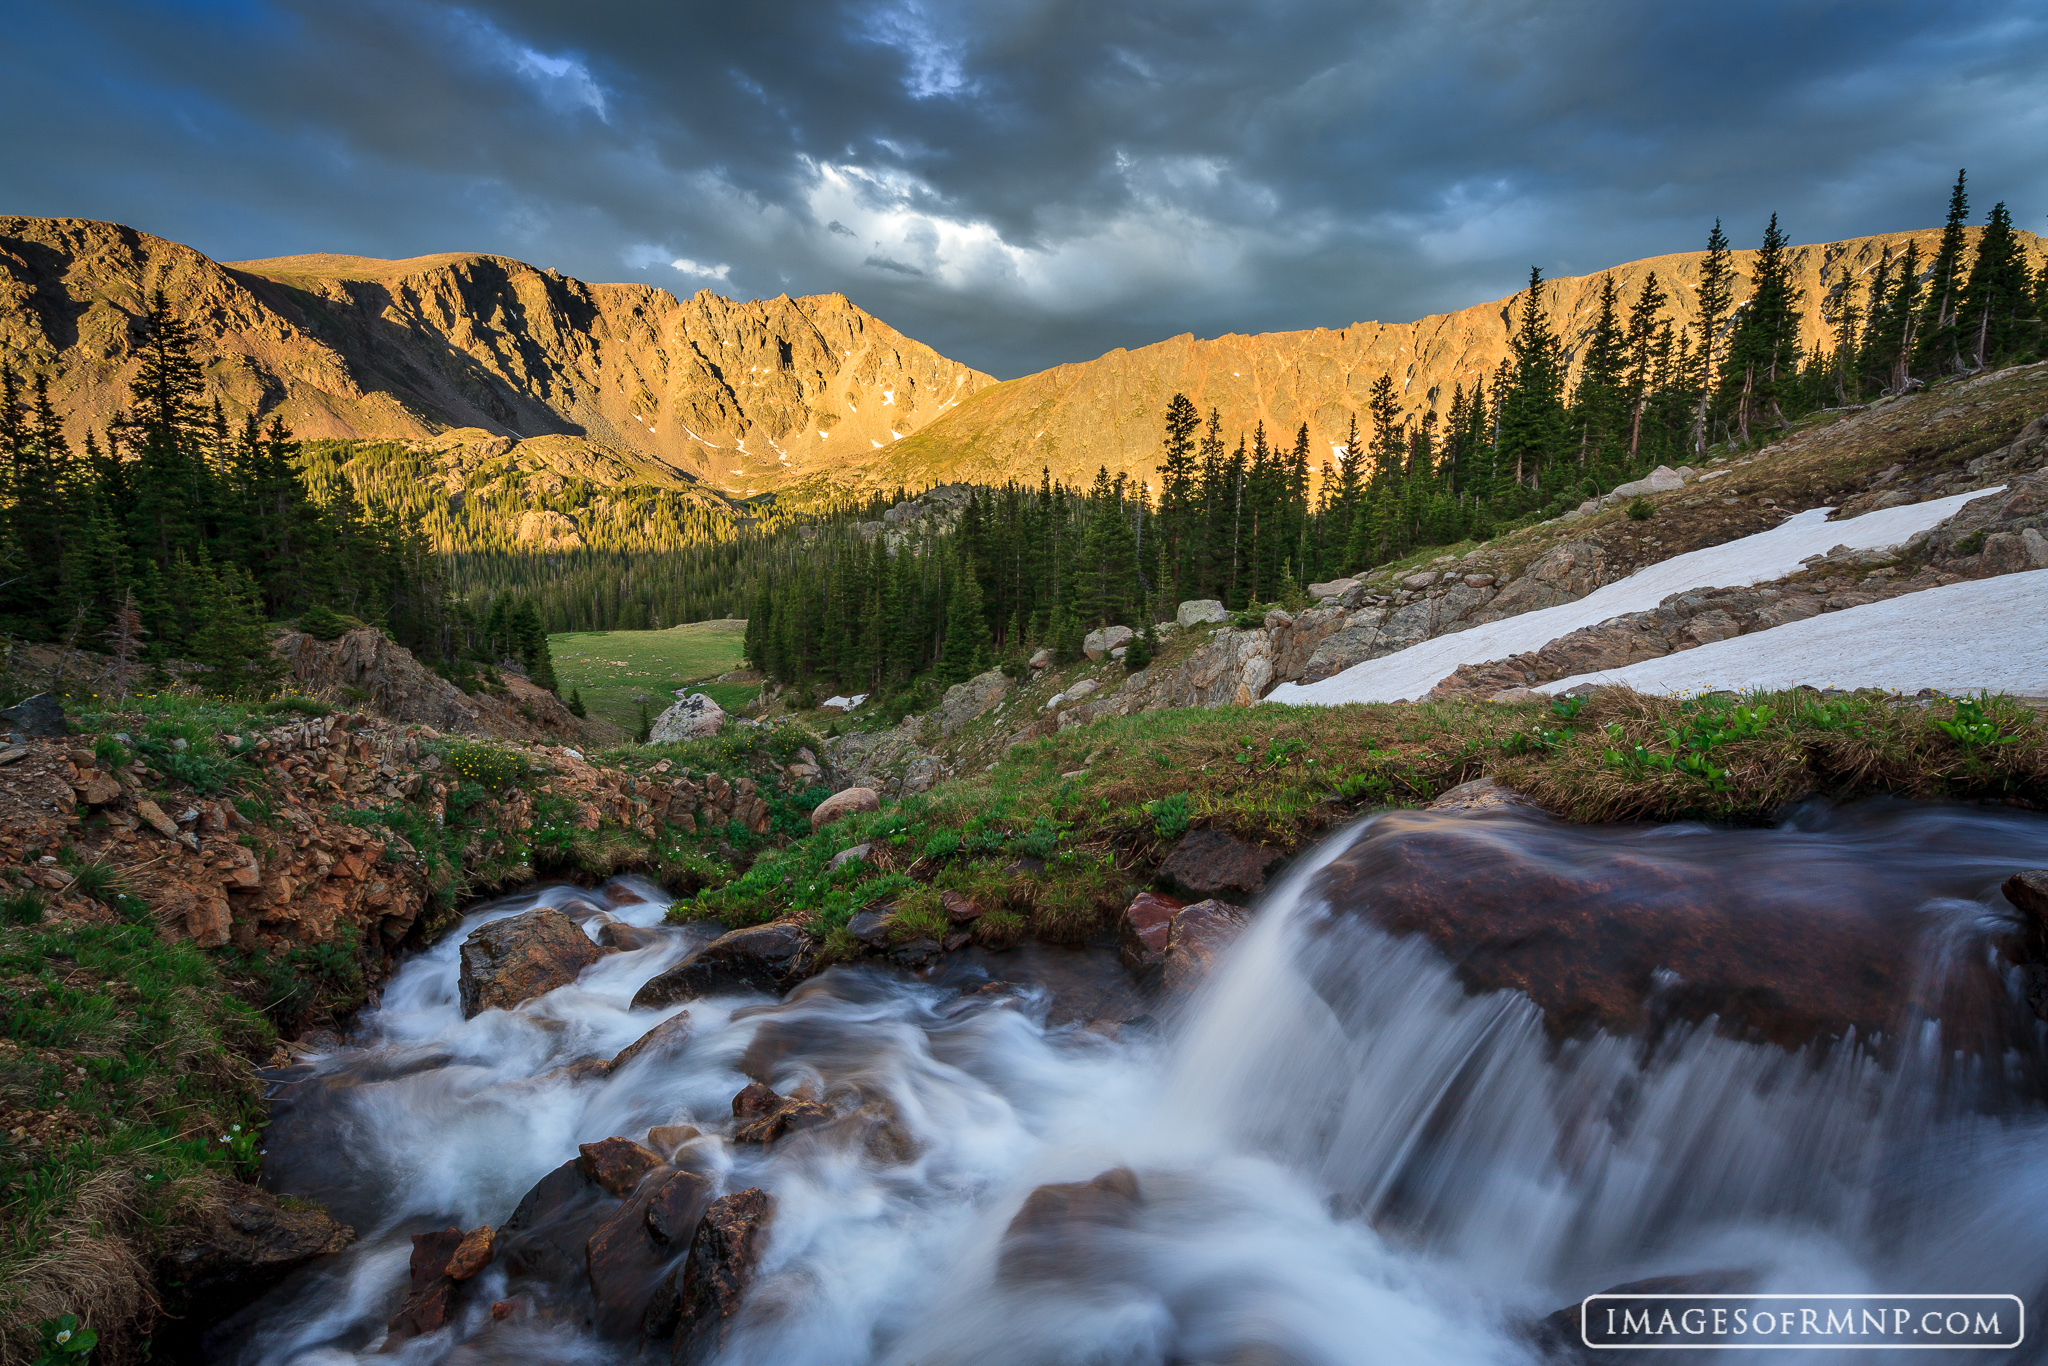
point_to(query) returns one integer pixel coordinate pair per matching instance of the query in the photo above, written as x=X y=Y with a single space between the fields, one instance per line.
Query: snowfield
x=1411 y=673
x=1986 y=634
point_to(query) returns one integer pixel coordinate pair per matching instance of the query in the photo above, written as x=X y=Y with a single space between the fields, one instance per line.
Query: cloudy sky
x=1029 y=182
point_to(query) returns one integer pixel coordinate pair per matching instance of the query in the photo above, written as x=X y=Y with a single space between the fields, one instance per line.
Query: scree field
x=614 y=669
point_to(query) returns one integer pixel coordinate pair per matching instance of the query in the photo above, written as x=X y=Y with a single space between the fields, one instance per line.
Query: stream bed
x=1461 y=1071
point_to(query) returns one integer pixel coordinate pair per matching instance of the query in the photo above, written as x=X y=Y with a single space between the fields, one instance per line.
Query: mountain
x=476 y=350
x=1107 y=411
x=518 y=387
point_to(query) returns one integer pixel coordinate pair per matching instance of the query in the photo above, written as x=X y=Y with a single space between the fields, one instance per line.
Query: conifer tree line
x=1250 y=523
x=176 y=534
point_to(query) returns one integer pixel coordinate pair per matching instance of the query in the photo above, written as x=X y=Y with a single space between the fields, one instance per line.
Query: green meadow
x=615 y=669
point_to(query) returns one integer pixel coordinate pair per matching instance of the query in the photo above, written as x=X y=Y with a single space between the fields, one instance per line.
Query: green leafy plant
x=297 y=703
x=1169 y=815
x=1971 y=729
x=1641 y=510
x=1567 y=708
x=1538 y=741
x=65 y=1343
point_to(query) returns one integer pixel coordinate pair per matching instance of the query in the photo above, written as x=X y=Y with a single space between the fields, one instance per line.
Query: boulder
x=712 y=1284
x=430 y=1292
x=2028 y=892
x=665 y=1039
x=99 y=789
x=1142 y=930
x=41 y=714
x=961 y=910
x=1059 y=1233
x=765 y=1116
x=1278 y=620
x=922 y=773
x=870 y=928
x=965 y=701
x=547 y=1237
x=1081 y=689
x=677 y=1207
x=1196 y=936
x=1041 y=659
x=669 y=1138
x=1198 y=611
x=473 y=1254
x=617 y=934
x=1481 y=794
x=857 y=854
x=1789 y=938
x=766 y=958
x=244 y=1243
x=518 y=958
x=1415 y=583
x=616 y=1165
x=852 y=800
x=1335 y=588
x=1097 y=644
x=1209 y=863
x=693 y=718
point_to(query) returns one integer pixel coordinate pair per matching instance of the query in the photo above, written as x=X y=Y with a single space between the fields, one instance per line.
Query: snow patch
x=1962 y=637
x=1772 y=554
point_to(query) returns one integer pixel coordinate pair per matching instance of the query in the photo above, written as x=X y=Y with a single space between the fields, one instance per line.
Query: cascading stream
x=1342 y=1152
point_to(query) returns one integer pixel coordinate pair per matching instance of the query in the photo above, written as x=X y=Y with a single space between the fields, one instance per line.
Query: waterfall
x=1344 y=1148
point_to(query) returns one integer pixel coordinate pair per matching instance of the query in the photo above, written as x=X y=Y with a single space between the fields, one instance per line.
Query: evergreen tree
x=1763 y=353
x=1940 y=342
x=1600 y=403
x=230 y=637
x=1640 y=342
x=1532 y=418
x=1997 y=305
x=968 y=648
x=1179 y=474
x=1716 y=296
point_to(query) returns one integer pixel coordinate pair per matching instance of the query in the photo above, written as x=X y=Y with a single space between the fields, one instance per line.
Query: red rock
x=478 y=1246
x=617 y=1164
x=677 y=1206
x=515 y=959
x=1195 y=936
x=665 y=1039
x=1142 y=930
x=713 y=1283
x=960 y=910
x=669 y=1137
x=1058 y=1233
x=431 y=1253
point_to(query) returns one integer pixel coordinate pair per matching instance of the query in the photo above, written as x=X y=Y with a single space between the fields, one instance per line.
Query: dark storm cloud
x=1025 y=183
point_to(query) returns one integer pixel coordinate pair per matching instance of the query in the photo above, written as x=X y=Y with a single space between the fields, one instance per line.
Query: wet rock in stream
x=765 y=958
x=518 y=958
x=249 y=1241
x=1787 y=936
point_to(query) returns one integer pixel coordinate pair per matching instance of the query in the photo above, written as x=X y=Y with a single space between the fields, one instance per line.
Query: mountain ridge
x=475 y=350
x=358 y=348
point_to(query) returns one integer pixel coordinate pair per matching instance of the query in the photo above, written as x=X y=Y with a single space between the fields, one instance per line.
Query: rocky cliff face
x=1074 y=418
x=740 y=396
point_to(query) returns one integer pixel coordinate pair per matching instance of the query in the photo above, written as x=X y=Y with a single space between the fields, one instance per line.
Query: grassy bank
x=1062 y=830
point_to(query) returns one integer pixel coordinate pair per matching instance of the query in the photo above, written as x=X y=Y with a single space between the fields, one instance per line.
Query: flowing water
x=1344 y=1154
